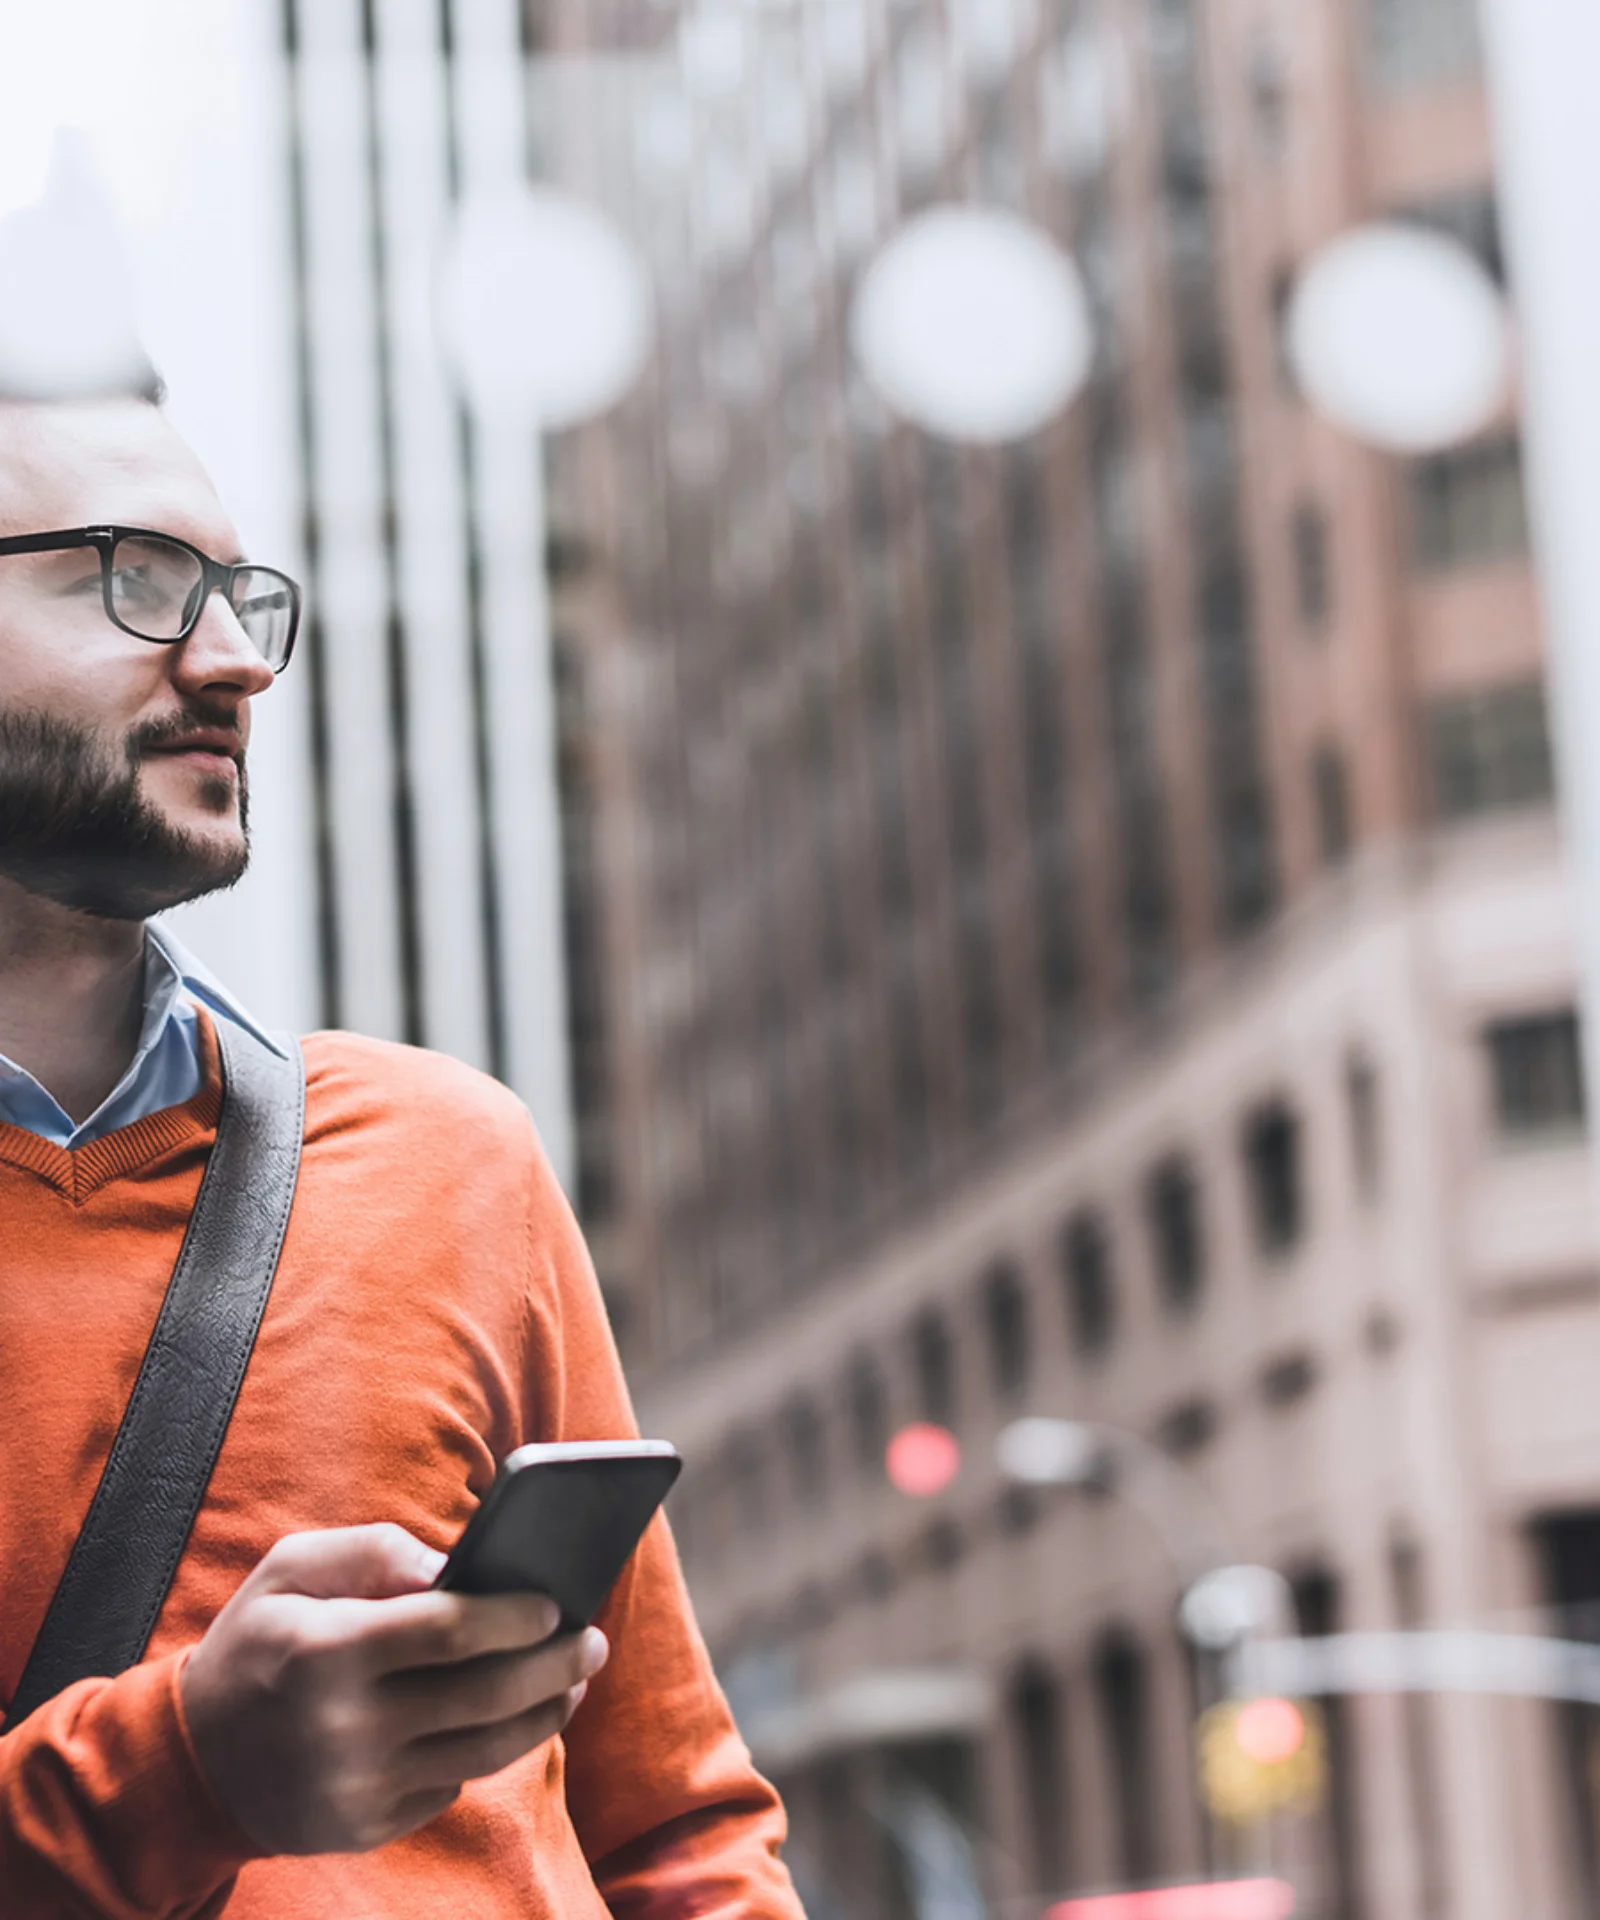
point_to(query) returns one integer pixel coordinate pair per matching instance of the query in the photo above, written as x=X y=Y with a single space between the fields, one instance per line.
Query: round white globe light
x=1041 y=1452
x=974 y=324
x=544 y=308
x=1233 y=1603
x=1401 y=337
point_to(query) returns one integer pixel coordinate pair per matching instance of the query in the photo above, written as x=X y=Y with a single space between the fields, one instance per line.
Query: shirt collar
x=201 y=983
x=165 y=1069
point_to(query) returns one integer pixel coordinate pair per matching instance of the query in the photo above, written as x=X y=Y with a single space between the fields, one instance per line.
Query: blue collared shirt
x=165 y=1070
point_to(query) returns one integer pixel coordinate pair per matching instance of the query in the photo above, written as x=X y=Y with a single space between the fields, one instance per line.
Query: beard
x=75 y=829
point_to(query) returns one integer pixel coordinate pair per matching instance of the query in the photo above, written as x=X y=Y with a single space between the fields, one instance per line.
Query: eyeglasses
x=155 y=586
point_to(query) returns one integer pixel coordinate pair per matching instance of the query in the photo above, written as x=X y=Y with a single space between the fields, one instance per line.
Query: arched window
x=1090 y=1284
x=1037 y=1718
x=868 y=1406
x=1121 y=1684
x=1006 y=1322
x=1177 y=1239
x=1273 y=1173
x=933 y=1362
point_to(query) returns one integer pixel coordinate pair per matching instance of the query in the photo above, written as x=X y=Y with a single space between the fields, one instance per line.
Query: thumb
x=376 y=1562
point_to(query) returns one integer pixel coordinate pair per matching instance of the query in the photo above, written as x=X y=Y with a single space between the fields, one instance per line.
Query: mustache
x=75 y=827
x=195 y=714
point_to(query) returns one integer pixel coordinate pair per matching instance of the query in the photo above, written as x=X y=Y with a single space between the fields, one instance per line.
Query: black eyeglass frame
x=216 y=575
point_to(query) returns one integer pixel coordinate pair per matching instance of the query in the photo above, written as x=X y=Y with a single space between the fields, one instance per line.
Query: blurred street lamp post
x=1243 y=1614
x=1226 y=1608
x=1542 y=58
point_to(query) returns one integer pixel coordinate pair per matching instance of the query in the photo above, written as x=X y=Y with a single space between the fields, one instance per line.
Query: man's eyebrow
x=236 y=558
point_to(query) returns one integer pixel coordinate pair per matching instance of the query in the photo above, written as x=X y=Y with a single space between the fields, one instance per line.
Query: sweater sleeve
x=669 y=1809
x=104 y=1811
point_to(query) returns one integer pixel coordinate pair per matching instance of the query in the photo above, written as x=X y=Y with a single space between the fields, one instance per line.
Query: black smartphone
x=563 y=1519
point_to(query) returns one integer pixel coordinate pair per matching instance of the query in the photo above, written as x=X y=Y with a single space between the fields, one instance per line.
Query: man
x=313 y=1731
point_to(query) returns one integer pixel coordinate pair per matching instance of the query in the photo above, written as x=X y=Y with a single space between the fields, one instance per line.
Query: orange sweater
x=434 y=1308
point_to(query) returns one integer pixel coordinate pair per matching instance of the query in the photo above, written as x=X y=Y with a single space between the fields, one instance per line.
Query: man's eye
x=131 y=586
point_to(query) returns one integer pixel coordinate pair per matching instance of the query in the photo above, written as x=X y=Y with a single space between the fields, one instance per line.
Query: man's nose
x=219 y=653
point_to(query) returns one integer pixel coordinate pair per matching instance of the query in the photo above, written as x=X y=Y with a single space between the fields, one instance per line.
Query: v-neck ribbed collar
x=78 y=1173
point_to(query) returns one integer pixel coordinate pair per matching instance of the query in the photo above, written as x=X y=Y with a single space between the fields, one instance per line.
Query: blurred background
x=926 y=628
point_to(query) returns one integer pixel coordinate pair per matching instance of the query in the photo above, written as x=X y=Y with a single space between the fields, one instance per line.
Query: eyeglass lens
x=263 y=602
x=156 y=585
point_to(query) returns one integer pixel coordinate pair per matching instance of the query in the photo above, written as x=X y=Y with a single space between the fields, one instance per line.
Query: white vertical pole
x=1543 y=59
x=1543 y=56
x=516 y=612
x=348 y=487
x=432 y=564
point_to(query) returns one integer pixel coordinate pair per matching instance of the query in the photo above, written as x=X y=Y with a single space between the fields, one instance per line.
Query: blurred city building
x=1074 y=928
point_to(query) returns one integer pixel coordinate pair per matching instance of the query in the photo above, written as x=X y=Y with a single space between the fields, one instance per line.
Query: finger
x=444 y=1629
x=447 y=1759
x=429 y=1700
x=377 y=1562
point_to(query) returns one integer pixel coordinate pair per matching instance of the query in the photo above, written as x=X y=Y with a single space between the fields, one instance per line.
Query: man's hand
x=336 y=1703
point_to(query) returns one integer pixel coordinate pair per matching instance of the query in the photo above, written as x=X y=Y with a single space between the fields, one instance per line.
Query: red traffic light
x=1270 y=1731
x=923 y=1459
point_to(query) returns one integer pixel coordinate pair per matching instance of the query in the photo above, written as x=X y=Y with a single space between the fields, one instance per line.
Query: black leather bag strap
x=116 y=1578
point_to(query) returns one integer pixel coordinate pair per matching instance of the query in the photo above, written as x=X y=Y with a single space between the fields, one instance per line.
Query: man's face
x=122 y=783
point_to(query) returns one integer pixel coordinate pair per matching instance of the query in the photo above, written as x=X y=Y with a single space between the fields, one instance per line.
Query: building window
x=1423 y=43
x=1468 y=507
x=805 y=1449
x=1273 y=1176
x=1287 y=1381
x=982 y=1015
x=1188 y=1428
x=1005 y=1315
x=1122 y=1690
x=1172 y=1208
x=1568 y=1548
x=1490 y=751
x=1038 y=1719
x=1331 y=797
x=907 y=1067
x=1366 y=1127
x=1149 y=923
x=1090 y=1288
x=868 y=1403
x=1317 y=1607
x=933 y=1362
x=1538 y=1076
x=1312 y=576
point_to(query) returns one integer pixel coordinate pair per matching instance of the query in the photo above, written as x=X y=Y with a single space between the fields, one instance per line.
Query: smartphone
x=563 y=1519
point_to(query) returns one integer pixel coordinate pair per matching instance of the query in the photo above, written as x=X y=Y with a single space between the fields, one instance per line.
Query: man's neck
x=71 y=996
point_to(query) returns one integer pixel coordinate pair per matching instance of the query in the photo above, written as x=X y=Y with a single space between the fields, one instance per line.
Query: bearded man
x=314 y=1732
